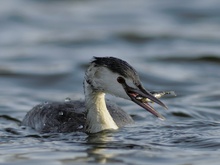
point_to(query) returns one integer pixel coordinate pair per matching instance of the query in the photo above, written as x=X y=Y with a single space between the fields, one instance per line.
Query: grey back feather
x=64 y=117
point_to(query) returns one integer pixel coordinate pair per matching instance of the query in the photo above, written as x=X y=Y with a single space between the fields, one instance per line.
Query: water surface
x=46 y=46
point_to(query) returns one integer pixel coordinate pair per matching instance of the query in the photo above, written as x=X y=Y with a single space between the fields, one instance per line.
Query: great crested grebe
x=104 y=75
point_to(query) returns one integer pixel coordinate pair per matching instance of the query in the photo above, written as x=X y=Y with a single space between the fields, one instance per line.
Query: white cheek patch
x=104 y=80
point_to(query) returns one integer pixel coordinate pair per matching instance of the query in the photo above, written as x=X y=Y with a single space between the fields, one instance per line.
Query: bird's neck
x=98 y=116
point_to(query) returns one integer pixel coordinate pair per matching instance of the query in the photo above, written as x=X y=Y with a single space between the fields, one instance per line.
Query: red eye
x=121 y=80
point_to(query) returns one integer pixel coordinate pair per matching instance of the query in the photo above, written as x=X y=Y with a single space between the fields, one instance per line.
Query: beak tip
x=162 y=118
x=163 y=105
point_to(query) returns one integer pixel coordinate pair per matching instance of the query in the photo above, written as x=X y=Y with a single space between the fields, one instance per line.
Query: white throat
x=98 y=117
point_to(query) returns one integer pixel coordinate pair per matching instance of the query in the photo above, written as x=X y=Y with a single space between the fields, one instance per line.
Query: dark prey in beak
x=133 y=93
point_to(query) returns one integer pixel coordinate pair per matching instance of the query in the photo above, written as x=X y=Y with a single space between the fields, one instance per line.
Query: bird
x=94 y=114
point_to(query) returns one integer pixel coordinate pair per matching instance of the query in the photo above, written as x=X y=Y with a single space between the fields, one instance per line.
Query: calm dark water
x=45 y=47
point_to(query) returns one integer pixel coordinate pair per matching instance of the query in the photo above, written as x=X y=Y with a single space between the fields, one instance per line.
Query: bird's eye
x=121 y=80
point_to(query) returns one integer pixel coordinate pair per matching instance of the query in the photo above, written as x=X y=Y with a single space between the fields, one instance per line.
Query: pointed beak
x=136 y=94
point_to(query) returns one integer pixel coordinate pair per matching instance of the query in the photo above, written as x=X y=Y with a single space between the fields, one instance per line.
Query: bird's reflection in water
x=99 y=144
x=100 y=148
x=105 y=147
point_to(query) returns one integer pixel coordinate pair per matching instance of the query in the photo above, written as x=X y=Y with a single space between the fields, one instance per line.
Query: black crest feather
x=117 y=65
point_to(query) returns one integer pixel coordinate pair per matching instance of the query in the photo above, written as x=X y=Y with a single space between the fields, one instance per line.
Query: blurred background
x=46 y=45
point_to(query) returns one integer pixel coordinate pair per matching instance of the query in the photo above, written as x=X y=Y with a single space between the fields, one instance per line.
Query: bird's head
x=115 y=76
